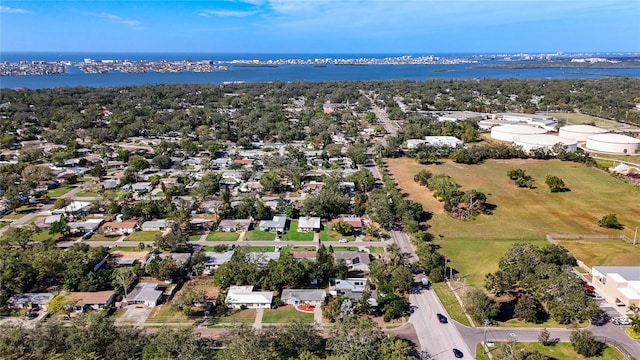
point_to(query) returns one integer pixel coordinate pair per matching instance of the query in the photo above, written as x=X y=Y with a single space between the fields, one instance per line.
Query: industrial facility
x=508 y=132
x=544 y=141
x=580 y=132
x=613 y=143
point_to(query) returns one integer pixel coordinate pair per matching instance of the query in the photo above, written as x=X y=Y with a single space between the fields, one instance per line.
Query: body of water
x=288 y=73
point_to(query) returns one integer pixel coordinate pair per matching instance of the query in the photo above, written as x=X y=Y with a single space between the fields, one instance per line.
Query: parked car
x=443 y=319
x=343 y=241
x=457 y=353
x=622 y=320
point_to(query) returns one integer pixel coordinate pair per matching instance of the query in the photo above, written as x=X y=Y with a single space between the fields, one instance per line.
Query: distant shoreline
x=562 y=65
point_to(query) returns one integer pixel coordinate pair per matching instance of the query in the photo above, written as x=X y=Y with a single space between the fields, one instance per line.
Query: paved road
x=25 y=219
x=66 y=244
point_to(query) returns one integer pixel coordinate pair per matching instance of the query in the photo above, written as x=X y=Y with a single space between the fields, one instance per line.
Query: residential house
x=110 y=184
x=86 y=226
x=237 y=225
x=262 y=258
x=297 y=297
x=354 y=221
x=244 y=296
x=139 y=187
x=353 y=288
x=211 y=206
x=213 y=260
x=121 y=228
x=75 y=208
x=310 y=255
x=201 y=223
x=156 y=225
x=96 y=300
x=312 y=186
x=182 y=259
x=29 y=300
x=308 y=224
x=355 y=260
x=278 y=224
x=144 y=293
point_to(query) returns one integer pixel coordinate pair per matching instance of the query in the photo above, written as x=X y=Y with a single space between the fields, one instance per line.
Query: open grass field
x=604 y=252
x=285 y=314
x=293 y=234
x=473 y=258
x=526 y=214
x=559 y=351
x=330 y=235
x=577 y=119
x=143 y=236
x=259 y=235
x=223 y=236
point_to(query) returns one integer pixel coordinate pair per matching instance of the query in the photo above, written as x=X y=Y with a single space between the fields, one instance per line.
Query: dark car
x=457 y=353
x=442 y=318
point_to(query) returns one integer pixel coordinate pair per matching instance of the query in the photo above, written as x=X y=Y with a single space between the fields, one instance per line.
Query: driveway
x=135 y=316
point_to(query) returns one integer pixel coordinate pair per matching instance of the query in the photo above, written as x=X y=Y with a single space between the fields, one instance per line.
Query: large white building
x=580 y=132
x=542 y=121
x=508 y=132
x=613 y=143
x=440 y=141
x=619 y=285
x=544 y=141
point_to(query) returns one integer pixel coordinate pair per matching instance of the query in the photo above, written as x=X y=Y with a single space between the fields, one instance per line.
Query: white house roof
x=216 y=259
x=155 y=224
x=246 y=295
x=628 y=273
x=309 y=222
x=74 y=206
x=278 y=222
x=145 y=292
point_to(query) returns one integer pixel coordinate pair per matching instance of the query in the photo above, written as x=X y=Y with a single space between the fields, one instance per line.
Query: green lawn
x=125 y=248
x=259 y=235
x=330 y=235
x=57 y=192
x=559 y=351
x=223 y=236
x=375 y=250
x=239 y=316
x=102 y=237
x=603 y=252
x=294 y=235
x=87 y=194
x=285 y=314
x=4 y=223
x=41 y=236
x=262 y=248
x=13 y=216
x=143 y=236
x=473 y=258
x=165 y=314
x=344 y=248
x=585 y=119
x=194 y=237
x=450 y=303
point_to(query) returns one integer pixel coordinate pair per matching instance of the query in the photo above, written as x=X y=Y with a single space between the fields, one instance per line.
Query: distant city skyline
x=321 y=26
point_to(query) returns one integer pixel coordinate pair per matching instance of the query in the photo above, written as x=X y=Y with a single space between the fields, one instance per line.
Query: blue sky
x=321 y=26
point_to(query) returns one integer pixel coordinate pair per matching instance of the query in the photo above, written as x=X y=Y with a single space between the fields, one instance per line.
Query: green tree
x=422 y=177
x=480 y=306
x=610 y=221
x=555 y=184
x=355 y=338
x=270 y=181
x=60 y=227
x=585 y=344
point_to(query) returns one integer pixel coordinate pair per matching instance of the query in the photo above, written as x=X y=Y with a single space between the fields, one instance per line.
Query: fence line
x=551 y=237
x=616 y=345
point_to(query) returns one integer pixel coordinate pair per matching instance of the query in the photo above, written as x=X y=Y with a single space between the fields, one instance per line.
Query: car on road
x=457 y=353
x=342 y=241
x=622 y=320
x=443 y=319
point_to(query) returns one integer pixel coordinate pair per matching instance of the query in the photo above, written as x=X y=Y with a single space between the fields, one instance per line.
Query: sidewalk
x=257 y=325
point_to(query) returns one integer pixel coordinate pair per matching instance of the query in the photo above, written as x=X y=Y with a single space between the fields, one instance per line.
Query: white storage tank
x=613 y=143
x=580 y=132
x=546 y=141
x=507 y=132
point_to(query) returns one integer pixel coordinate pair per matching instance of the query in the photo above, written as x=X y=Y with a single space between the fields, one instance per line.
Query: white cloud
x=119 y=20
x=9 y=10
x=227 y=13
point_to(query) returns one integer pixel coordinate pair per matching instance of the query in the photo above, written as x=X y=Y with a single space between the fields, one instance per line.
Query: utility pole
x=445 y=268
x=635 y=236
